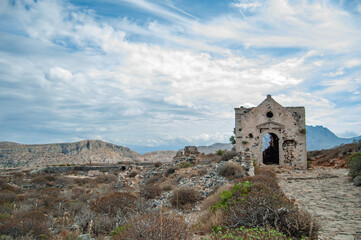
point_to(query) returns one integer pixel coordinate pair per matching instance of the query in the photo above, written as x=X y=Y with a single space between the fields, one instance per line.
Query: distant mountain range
x=96 y=151
x=317 y=138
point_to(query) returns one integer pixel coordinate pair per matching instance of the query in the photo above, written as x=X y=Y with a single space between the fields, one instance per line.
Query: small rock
x=84 y=237
x=357 y=181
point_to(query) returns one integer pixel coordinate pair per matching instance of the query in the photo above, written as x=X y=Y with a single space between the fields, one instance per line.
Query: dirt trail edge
x=330 y=196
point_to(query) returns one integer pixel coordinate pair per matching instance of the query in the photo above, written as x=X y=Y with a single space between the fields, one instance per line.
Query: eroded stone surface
x=330 y=196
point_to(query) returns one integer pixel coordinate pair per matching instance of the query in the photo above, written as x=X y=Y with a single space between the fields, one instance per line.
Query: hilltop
x=82 y=152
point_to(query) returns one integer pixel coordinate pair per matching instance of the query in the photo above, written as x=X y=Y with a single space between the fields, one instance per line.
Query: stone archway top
x=270 y=125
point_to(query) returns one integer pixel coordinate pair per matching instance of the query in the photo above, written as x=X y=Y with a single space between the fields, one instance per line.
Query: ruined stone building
x=272 y=134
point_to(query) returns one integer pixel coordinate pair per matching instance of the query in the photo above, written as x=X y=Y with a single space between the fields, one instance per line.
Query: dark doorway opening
x=270 y=149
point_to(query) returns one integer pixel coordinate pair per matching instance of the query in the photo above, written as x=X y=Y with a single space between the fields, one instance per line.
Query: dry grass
x=232 y=170
x=155 y=226
x=215 y=197
x=208 y=221
x=150 y=191
x=114 y=202
x=184 y=197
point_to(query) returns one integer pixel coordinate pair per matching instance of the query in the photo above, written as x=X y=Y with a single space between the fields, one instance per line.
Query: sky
x=162 y=74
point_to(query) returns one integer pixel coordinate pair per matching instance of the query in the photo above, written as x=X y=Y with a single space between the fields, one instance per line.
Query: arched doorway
x=270 y=149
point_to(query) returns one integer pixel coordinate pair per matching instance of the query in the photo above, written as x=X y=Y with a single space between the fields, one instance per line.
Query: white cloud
x=339 y=72
x=103 y=84
x=303 y=24
x=246 y=5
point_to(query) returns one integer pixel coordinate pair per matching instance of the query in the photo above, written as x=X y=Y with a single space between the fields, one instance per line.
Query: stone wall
x=286 y=125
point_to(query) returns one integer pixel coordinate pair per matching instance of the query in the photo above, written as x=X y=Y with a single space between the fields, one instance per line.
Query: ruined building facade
x=272 y=134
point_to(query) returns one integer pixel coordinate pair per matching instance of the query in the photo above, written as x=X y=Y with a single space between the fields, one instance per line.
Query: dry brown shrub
x=9 y=187
x=33 y=221
x=231 y=170
x=171 y=170
x=7 y=196
x=210 y=158
x=150 y=191
x=158 y=164
x=51 y=192
x=81 y=181
x=208 y=221
x=113 y=202
x=104 y=179
x=132 y=174
x=202 y=171
x=166 y=187
x=153 y=179
x=155 y=226
x=228 y=155
x=184 y=197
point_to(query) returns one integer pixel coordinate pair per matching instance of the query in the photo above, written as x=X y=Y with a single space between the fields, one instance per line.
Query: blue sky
x=168 y=73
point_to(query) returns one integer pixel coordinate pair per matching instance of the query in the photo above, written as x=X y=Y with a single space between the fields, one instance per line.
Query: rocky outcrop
x=158 y=156
x=88 y=151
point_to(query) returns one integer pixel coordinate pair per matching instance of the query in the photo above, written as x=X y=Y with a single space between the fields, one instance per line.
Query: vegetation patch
x=354 y=165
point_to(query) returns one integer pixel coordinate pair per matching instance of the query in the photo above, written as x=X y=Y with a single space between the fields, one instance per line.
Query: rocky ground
x=330 y=196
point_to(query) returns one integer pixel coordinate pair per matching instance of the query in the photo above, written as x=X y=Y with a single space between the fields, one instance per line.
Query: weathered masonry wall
x=286 y=127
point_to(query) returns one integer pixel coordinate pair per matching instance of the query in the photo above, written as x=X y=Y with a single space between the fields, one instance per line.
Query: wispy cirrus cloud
x=73 y=73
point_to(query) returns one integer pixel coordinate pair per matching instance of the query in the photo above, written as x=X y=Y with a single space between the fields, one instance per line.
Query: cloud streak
x=68 y=72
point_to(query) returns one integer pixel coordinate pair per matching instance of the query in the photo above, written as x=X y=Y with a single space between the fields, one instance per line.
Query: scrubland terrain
x=195 y=196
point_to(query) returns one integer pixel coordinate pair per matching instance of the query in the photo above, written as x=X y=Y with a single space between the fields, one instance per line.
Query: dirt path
x=329 y=196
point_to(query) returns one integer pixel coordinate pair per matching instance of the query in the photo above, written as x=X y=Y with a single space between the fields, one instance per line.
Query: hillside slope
x=87 y=151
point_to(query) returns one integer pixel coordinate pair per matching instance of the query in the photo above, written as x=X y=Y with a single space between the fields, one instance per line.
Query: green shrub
x=185 y=165
x=248 y=233
x=265 y=206
x=241 y=189
x=220 y=152
x=354 y=164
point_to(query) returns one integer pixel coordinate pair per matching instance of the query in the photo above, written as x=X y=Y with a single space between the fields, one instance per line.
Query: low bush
x=262 y=206
x=33 y=223
x=113 y=202
x=202 y=171
x=231 y=170
x=215 y=197
x=150 y=191
x=220 y=152
x=153 y=180
x=132 y=174
x=247 y=233
x=210 y=158
x=184 y=197
x=9 y=187
x=185 y=165
x=354 y=165
x=158 y=164
x=228 y=155
x=7 y=196
x=154 y=226
x=102 y=179
x=171 y=170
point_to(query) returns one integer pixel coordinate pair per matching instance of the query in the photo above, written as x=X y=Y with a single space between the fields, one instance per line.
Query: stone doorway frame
x=277 y=147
